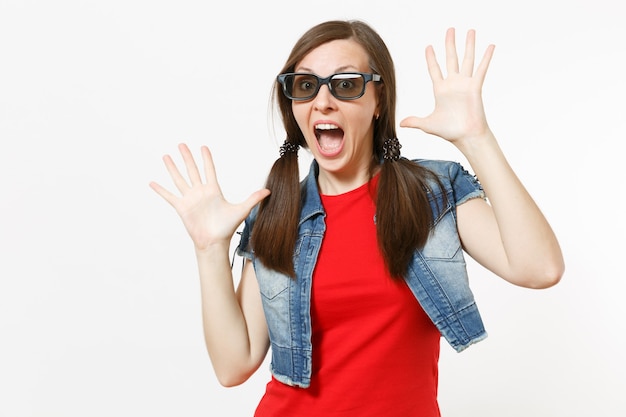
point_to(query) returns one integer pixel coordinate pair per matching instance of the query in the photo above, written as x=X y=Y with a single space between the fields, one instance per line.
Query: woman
x=353 y=275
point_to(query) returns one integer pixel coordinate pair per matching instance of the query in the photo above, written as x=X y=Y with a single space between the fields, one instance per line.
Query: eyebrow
x=337 y=70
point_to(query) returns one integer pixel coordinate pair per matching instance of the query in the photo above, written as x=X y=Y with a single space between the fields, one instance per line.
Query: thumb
x=414 y=122
x=255 y=198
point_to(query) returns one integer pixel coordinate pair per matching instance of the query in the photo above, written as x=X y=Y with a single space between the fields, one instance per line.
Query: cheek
x=301 y=117
x=364 y=120
x=365 y=113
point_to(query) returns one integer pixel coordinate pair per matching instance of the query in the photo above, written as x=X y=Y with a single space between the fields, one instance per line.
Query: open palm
x=207 y=216
x=459 y=112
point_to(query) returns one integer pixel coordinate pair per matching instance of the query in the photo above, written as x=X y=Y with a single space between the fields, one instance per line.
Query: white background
x=99 y=296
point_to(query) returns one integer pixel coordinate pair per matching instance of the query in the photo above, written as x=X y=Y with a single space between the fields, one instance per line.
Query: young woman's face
x=338 y=132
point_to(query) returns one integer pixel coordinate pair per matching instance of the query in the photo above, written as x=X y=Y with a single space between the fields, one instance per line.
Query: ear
x=380 y=96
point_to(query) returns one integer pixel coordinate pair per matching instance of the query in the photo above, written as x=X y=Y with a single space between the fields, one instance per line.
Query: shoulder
x=457 y=181
x=442 y=168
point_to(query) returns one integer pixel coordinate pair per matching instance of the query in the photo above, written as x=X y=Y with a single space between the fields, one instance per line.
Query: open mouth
x=329 y=137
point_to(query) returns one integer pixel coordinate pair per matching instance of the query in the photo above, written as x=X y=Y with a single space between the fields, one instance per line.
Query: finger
x=245 y=207
x=422 y=123
x=254 y=199
x=452 y=61
x=481 y=70
x=167 y=196
x=467 y=68
x=190 y=164
x=433 y=66
x=177 y=177
x=414 y=122
x=209 y=167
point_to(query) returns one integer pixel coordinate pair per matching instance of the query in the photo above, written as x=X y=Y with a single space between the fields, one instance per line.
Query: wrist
x=476 y=143
x=212 y=248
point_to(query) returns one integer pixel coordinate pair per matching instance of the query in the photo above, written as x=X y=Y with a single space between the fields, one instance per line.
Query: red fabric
x=375 y=351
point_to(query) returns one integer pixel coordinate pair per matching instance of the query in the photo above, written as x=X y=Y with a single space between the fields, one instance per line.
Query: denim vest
x=437 y=275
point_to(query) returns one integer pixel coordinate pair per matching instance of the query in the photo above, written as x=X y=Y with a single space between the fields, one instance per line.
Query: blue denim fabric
x=437 y=275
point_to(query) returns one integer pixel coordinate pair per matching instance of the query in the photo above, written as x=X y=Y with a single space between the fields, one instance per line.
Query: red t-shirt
x=375 y=351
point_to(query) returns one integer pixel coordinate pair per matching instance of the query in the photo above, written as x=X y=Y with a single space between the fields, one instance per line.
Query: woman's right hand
x=207 y=216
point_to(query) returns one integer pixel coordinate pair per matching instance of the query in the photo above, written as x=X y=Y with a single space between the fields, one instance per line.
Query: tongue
x=330 y=140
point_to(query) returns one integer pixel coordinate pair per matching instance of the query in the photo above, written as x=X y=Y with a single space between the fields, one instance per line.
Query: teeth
x=326 y=126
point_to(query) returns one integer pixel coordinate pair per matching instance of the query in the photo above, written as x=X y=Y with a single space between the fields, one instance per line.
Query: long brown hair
x=403 y=213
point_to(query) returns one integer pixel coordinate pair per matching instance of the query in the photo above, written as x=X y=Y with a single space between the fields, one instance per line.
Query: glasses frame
x=367 y=77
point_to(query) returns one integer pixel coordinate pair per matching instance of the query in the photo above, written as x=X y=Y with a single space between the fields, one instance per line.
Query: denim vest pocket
x=440 y=268
x=274 y=288
x=443 y=242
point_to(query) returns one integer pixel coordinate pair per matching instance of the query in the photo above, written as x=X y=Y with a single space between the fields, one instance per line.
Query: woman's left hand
x=459 y=112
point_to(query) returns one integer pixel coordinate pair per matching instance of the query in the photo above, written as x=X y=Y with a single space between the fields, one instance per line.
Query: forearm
x=532 y=252
x=225 y=330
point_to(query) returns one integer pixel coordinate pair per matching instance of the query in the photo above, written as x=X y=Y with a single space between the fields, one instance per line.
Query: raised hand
x=207 y=216
x=458 y=113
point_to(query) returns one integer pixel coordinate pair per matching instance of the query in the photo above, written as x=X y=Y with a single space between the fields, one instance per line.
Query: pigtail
x=404 y=217
x=275 y=230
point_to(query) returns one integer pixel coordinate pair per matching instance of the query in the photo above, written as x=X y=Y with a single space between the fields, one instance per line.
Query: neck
x=333 y=183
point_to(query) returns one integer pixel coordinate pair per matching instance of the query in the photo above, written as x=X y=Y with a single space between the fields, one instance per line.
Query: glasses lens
x=300 y=86
x=347 y=85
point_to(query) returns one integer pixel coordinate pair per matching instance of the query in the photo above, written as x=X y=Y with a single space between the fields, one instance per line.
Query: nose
x=324 y=99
